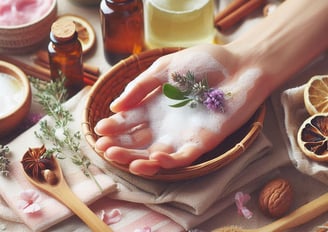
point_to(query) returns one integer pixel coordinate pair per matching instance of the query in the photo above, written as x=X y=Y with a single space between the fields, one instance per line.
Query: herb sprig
x=187 y=90
x=51 y=96
x=4 y=160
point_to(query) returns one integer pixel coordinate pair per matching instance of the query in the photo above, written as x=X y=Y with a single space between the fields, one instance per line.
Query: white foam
x=181 y=126
x=126 y=140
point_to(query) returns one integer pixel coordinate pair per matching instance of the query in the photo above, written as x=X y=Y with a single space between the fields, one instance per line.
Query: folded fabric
x=194 y=196
x=295 y=114
x=192 y=202
x=84 y=187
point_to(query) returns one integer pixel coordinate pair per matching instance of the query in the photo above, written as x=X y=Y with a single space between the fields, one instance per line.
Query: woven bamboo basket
x=110 y=85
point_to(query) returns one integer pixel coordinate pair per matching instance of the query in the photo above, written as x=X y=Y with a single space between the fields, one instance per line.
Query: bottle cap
x=63 y=30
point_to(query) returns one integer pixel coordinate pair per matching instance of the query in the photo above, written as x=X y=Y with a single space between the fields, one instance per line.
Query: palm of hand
x=152 y=135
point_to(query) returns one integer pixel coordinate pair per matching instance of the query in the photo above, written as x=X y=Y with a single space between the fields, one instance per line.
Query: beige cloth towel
x=197 y=195
x=290 y=111
x=295 y=114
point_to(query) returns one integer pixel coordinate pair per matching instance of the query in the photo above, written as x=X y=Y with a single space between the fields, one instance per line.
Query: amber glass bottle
x=122 y=28
x=65 y=54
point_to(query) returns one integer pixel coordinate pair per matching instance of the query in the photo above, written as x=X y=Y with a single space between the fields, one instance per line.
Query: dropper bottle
x=65 y=54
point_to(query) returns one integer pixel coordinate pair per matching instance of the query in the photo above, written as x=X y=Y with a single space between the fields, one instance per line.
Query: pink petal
x=145 y=229
x=112 y=217
x=32 y=208
x=29 y=195
x=240 y=200
x=23 y=204
x=28 y=201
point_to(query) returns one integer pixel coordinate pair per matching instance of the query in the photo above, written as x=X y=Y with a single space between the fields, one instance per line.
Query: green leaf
x=182 y=103
x=173 y=92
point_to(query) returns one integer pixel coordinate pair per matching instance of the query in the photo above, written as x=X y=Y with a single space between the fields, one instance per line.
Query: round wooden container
x=11 y=119
x=27 y=37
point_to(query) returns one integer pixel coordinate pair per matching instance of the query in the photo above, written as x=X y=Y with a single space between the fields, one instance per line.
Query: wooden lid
x=63 y=30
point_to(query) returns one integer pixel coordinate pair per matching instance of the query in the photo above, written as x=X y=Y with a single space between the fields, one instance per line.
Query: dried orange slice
x=84 y=30
x=312 y=137
x=316 y=95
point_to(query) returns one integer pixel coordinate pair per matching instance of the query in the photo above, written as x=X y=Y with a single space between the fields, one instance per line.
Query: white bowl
x=27 y=37
x=13 y=115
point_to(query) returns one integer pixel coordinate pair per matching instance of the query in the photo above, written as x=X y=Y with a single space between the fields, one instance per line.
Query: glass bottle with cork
x=122 y=28
x=65 y=54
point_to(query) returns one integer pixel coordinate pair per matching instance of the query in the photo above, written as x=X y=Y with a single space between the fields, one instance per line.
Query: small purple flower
x=214 y=100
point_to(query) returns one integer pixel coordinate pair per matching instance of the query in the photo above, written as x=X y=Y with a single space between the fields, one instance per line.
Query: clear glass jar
x=122 y=28
x=178 y=23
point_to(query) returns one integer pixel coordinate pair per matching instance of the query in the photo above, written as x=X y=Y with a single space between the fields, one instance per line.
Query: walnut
x=276 y=198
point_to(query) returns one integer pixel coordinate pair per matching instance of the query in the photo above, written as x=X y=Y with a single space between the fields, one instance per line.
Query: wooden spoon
x=56 y=186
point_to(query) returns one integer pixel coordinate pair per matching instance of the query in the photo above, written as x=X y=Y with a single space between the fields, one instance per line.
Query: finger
x=138 y=139
x=123 y=121
x=160 y=147
x=141 y=86
x=144 y=167
x=182 y=158
x=125 y=156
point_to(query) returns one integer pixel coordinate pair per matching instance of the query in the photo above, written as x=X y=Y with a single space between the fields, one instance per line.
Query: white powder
x=203 y=65
x=182 y=124
x=11 y=93
x=126 y=140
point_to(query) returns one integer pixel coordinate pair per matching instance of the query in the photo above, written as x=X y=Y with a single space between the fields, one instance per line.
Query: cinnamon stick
x=35 y=71
x=235 y=13
x=41 y=71
x=235 y=4
x=43 y=56
x=87 y=76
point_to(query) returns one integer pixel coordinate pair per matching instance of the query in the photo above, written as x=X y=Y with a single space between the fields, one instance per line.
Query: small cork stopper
x=63 y=30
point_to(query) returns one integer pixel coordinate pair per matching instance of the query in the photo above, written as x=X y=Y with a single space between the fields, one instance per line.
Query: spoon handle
x=301 y=215
x=68 y=198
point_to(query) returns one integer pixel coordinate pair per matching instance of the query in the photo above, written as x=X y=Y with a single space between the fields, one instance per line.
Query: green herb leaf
x=64 y=141
x=4 y=160
x=173 y=92
x=182 y=103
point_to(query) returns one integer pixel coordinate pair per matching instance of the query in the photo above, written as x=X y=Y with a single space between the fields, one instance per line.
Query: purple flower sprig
x=189 y=91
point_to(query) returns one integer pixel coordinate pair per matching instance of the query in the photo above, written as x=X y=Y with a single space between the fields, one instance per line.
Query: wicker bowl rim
x=111 y=84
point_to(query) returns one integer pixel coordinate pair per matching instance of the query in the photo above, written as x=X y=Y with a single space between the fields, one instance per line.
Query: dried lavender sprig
x=189 y=91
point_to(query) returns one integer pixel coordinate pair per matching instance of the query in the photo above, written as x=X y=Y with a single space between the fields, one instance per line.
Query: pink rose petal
x=241 y=199
x=32 y=208
x=28 y=201
x=29 y=195
x=112 y=217
x=145 y=229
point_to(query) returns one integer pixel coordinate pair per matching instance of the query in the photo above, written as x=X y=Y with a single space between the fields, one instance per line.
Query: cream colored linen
x=295 y=114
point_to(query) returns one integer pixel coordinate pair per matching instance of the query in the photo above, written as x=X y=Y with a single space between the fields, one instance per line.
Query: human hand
x=147 y=134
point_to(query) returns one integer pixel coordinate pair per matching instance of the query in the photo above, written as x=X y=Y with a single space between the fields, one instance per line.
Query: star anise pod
x=33 y=162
